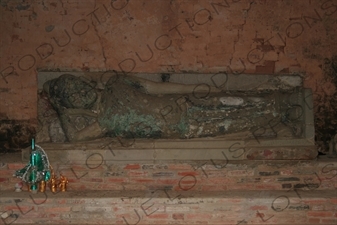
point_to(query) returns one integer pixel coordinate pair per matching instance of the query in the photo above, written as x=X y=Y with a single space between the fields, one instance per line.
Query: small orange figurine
x=53 y=184
x=42 y=186
x=53 y=181
x=63 y=183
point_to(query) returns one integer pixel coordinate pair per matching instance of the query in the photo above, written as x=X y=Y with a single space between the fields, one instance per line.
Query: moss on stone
x=130 y=124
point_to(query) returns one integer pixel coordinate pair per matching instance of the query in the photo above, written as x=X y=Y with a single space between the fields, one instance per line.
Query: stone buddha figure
x=133 y=107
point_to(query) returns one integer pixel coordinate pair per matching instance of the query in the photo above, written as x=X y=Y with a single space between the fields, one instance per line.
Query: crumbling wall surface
x=166 y=36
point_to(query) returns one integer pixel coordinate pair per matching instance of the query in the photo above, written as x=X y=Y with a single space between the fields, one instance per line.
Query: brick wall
x=186 y=192
x=243 y=192
x=194 y=176
x=198 y=36
x=168 y=207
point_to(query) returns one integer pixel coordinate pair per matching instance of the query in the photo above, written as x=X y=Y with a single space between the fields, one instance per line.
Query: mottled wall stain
x=326 y=105
x=15 y=135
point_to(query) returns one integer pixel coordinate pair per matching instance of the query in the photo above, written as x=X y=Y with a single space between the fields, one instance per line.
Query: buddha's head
x=71 y=92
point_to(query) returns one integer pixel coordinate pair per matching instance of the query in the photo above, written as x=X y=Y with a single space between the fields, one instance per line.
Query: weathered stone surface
x=56 y=132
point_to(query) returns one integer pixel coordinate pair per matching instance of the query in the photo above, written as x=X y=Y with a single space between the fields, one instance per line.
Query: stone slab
x=229 y=147
x=227 y=82
x=175 y=152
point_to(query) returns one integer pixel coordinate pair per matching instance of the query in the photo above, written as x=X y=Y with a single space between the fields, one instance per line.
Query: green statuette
x=38 y=168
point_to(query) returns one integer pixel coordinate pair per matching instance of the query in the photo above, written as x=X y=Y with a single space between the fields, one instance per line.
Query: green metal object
x=37 y=169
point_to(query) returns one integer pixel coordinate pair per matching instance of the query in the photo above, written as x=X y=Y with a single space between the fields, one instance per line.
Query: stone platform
x=152 y=150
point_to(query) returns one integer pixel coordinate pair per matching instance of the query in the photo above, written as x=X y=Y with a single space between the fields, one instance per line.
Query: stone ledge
x=229 y=82
x=169 y=150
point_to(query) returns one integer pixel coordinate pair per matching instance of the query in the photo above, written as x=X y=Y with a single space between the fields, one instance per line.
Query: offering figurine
x=42 y=186
x=53 y=183
x=37 y=170
x=63 y=183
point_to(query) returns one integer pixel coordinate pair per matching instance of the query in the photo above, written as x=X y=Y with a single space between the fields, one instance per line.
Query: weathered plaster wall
x=163 y=36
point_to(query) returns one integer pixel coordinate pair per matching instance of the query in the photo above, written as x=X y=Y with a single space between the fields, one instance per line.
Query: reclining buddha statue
x=130 y=106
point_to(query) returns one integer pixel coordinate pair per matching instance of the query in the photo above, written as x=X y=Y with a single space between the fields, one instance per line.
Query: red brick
x=192 y=182
x=138 y=173
x=15 y=166
x=54 y=209
x=25 y=209
x=2 y=180
x=132 y=167
x=82 y=186
x=6 y=173
x=315 y=201
x=115 y=180
x=143 y=180
x=158 y=216
x=268 y=186
x=73 y=180
x=198 y=216
x=333 y=200
x=53 y=215
x=178 y=216
x=188 y=173
x=320 y=214
x=240 y=173
x=61 y=201
x=259 y=207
